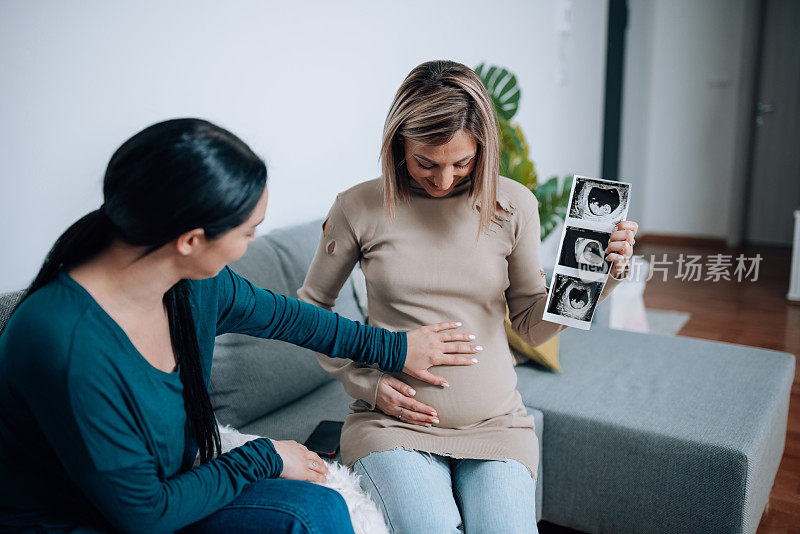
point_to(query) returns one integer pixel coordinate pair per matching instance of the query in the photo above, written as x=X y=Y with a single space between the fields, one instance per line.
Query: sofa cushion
x=8 y=301
x=646 y=430
x=252 y=377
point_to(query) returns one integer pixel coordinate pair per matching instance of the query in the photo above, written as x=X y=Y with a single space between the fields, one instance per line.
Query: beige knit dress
x=424 y=266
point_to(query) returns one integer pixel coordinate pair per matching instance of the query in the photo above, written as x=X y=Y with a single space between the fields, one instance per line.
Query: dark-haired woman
x=104 y=364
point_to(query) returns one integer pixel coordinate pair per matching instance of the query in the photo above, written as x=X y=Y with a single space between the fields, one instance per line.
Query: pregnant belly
x=476 y=393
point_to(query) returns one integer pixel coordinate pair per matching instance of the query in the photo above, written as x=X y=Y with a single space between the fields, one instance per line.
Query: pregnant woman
x=104 y=365
x=441 y=233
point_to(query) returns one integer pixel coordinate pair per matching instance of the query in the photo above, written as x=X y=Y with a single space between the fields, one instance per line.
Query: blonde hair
x=435 y=101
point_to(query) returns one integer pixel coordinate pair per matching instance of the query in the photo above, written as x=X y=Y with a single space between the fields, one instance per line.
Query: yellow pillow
x=545 y=354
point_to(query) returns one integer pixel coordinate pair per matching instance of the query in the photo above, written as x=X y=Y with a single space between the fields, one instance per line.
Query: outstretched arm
x=337 y=253
x=247 y=309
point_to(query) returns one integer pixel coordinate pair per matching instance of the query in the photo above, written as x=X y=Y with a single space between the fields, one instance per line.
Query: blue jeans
x=421 y=492
x=280 y=506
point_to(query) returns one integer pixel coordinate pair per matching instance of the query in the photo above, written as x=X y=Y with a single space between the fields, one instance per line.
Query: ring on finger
x=314 y=464
x=401 y=413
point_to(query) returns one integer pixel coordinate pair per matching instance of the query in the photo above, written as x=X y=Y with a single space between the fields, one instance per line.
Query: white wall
x=306 y=84
x=683 y=90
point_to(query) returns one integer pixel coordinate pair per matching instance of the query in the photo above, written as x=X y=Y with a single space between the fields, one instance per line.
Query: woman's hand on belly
x=477 y=393
x=430 y=345
x=395 y=399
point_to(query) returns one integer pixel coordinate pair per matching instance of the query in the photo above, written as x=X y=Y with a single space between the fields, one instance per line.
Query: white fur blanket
x=364 y=513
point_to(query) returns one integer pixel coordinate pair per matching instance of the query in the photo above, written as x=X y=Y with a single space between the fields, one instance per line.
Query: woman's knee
x=281 y=506
x=389 y=476
x=331 y=499
x=496 y=496
x=319 y=506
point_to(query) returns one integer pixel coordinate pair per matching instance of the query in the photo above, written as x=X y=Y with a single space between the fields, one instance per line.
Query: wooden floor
x=748 y=313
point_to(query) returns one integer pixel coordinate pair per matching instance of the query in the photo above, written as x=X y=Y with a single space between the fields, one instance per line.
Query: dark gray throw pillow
x=8 y=301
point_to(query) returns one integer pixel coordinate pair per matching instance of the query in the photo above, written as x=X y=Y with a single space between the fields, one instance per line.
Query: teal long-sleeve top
x=91 y=434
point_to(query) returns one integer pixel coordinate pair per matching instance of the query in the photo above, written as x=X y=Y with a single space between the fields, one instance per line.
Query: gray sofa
x=639 y=433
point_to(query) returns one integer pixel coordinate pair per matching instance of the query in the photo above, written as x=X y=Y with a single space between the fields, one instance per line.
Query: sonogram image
x=595 y=200
x=585 y=249
x=572 y=297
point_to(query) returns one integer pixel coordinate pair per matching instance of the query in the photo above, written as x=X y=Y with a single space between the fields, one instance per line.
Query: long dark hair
x=168 y=179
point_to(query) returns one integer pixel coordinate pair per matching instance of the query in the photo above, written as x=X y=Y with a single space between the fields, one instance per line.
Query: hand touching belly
x=476 y=393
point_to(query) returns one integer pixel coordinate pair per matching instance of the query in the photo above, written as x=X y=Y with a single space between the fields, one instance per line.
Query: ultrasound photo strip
x=573 y=300
x=584 y=249
x=581 y=270
x=597 y=204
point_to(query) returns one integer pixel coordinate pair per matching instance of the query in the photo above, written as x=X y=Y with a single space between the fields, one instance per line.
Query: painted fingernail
x=445 y=384
x=433 y=413
x=435 y=420
x=474 y=360
x=471 y=336
x=458 y=324
x=478 y=348
x=411 y=390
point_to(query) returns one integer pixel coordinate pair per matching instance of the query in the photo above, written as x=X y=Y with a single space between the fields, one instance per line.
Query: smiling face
x=439 y=168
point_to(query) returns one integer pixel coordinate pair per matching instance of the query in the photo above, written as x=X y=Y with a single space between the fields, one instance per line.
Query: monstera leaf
x=553 y=199
x=502 y=87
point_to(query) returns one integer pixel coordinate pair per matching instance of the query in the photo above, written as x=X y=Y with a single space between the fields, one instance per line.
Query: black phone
x=324 y=440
